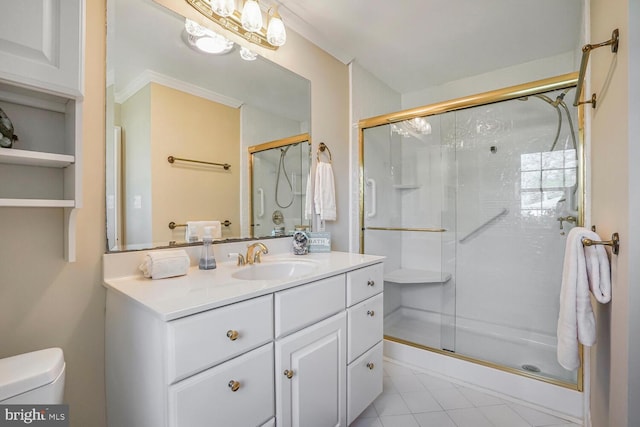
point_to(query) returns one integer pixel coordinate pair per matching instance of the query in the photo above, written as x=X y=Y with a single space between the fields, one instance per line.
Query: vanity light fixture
x=247 y=55
x=206 y=40
x=276 y=33
x=246 y=24
x=223 y=8
x=251 y=16
x=420 y=125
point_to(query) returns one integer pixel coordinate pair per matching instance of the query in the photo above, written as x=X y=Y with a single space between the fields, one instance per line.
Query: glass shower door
x=471 y=208
x=402 y=220
x=516 y=165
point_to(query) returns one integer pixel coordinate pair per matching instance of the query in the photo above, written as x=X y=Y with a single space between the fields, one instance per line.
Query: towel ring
x=321 y=149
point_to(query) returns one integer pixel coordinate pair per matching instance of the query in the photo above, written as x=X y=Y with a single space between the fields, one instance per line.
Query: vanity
x=226 y=347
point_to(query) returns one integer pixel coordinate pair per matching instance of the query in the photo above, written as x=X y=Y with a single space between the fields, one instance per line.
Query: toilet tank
x=36 y=377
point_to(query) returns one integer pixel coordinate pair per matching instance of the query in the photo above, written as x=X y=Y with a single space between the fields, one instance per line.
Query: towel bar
x=172 y=159
x=614 y=243
x=173 y=225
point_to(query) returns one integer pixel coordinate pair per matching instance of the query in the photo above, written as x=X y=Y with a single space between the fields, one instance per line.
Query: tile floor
x=412 y=398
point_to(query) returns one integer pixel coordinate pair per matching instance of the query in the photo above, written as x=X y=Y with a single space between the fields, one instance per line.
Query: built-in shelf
x=37 y=203
x=406 y=186
x=35 y=158
x=44 y=103
x=410 y=275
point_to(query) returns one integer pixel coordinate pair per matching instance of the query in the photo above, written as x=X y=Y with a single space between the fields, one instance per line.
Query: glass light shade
x=276 y=34
x=223 y=7
x=214 y=43
x=194 y=29
x=251 y=16
x=247 y=55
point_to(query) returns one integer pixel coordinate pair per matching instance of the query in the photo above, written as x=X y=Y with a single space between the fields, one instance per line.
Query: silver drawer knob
x=370 y=365
x=370 y=313
x=371 y=283
x=234 y=385
x=232 y=335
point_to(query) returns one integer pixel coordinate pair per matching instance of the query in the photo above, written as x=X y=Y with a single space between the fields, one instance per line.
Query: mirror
x=279 y=174
x=165 y=98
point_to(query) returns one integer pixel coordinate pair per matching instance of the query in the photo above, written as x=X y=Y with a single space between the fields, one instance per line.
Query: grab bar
x=372 y=184
x=423 y=230
x=261 y=195
x=484 y=224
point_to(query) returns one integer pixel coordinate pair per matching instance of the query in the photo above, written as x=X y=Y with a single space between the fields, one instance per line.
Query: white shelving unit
x=41 y=92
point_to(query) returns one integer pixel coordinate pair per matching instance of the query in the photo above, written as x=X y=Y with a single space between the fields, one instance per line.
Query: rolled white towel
x=163 y=264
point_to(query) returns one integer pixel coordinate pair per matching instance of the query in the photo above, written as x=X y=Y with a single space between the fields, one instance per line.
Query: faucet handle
x=239 y=257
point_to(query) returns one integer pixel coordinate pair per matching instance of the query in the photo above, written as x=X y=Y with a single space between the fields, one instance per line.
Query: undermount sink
x=270 y=270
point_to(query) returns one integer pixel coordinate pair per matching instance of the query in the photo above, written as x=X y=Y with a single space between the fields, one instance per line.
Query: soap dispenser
x=207 y=260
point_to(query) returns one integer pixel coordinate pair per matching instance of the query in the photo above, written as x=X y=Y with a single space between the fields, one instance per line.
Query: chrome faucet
x=571 y=219
x=255 y=251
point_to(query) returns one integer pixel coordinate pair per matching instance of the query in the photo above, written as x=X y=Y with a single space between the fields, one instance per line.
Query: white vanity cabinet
x=41 y=87
x=295 y=356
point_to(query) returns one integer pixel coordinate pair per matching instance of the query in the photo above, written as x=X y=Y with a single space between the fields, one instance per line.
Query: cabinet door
x=364 y=381
x=236 y=393
x=311 y=376
x=364 y=326
x=41 y=44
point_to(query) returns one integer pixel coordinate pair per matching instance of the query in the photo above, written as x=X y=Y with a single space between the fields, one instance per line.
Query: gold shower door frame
x=504 y=94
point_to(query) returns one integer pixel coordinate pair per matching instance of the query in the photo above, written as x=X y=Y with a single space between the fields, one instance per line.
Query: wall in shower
x=493 y=290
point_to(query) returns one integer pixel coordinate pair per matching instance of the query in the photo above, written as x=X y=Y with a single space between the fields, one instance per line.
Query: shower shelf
x=410 y=275
x=406 y=186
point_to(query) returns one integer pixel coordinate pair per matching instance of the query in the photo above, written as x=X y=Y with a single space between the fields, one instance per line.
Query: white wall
x=497 y=79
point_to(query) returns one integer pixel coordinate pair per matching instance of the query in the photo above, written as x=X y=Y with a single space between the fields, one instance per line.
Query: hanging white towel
x=308 y=199
x=195 y=230
x=585 y=268
x=325 y=192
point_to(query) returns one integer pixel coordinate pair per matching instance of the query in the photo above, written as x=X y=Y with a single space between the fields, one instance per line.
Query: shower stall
x=278 y=175
x=471 y=200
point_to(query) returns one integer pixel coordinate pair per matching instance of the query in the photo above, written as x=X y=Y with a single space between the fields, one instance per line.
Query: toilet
x=33 y=378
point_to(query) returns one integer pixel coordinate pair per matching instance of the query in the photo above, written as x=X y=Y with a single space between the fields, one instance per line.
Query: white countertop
x=202 y=290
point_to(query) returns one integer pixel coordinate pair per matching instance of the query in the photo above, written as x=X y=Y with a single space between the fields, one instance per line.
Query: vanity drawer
x=206 y=339
x=364 y=326
x=307 y=304
x=364 y=382
x=364 y=283
x=208 y=399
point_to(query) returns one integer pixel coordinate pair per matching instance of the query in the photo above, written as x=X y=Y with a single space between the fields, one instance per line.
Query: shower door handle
x=261 y=195
x=372 y=183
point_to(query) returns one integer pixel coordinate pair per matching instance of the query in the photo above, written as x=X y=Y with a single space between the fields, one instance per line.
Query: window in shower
x=545 y=176
x=466 y=212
